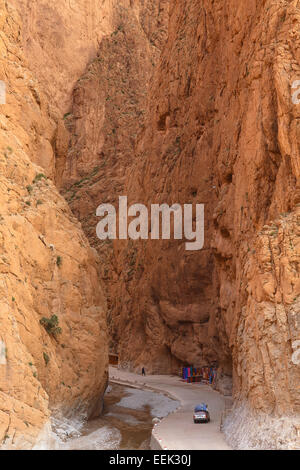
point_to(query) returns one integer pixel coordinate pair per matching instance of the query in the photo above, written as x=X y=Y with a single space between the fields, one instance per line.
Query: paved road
x=178 y=431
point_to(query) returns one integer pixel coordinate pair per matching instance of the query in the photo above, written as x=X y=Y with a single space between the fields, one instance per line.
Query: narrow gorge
x=166 y=102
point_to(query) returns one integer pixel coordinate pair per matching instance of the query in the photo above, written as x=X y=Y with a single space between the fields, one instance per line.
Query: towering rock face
x=47 y=266
x=60 y=39
x=95 y=143
x=163 y=101
x=220 y=128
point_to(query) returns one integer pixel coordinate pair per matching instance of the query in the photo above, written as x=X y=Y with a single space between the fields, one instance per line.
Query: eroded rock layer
x=95 y=142
x=47 y=266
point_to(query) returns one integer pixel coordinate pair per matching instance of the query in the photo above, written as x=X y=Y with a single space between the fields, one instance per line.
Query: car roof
x=201 y=407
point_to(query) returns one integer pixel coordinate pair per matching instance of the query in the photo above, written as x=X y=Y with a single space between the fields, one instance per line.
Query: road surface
x=177 y=431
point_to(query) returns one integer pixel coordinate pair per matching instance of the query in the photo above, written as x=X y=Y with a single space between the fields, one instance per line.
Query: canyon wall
x=95 y=142
x=217 y=126
x=53 y=335
x=166 y=102
x=222 y=129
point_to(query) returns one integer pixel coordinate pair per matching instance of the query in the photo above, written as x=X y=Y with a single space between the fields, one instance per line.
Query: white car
x=201 y=414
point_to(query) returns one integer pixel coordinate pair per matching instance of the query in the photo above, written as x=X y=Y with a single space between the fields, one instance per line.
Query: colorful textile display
x=199 y=374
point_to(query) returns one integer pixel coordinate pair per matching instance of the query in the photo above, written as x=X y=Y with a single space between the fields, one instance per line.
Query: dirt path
x=177 y=431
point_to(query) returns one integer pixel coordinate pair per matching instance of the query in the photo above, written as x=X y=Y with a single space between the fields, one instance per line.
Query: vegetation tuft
x=39 y=177
x=51 y=325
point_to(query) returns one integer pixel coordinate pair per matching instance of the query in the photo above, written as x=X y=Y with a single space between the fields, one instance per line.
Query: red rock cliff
x=165 y=101
x=220 y=128
x=47 y=268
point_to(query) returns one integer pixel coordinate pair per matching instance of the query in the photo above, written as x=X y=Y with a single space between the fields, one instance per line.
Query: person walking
x=143 y=371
